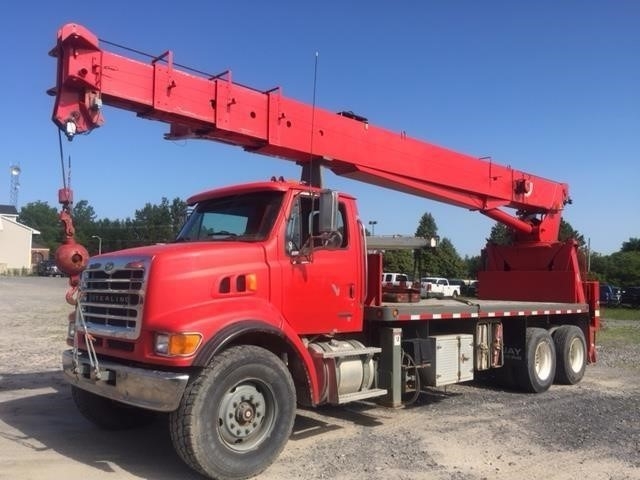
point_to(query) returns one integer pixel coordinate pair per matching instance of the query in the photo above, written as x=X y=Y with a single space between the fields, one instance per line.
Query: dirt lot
x=588 y=431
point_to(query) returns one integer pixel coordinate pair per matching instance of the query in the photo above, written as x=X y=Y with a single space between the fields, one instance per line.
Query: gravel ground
x=466 y=432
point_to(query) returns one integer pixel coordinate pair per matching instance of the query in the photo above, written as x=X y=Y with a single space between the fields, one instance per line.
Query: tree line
x=161 y=223
x=621 y=268
x=151 y=224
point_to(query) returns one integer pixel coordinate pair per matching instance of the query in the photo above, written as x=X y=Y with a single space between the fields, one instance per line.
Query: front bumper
x=150 y=389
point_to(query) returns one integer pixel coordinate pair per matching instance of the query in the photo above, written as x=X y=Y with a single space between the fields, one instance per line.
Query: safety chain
x=88 y=341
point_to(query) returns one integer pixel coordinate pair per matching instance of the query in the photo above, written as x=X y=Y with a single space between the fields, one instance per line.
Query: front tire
x=109 y=414
x=538 y=370
x=571 y=354
x=236 y=416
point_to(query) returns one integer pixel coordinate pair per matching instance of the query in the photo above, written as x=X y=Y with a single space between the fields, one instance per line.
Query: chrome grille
x=112 y=296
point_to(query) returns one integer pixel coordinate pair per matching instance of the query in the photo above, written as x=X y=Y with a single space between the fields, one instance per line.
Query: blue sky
x=548 y=87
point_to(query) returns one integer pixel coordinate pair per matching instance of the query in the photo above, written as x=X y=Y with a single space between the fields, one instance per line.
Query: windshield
x=244 y=217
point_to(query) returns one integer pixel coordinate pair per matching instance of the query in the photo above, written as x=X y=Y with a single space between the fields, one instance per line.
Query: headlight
x=176 y=344
x=161 y=346
x=72 y=320
x=71 y=329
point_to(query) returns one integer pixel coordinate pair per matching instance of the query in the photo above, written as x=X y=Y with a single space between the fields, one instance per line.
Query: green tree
x=631 y=245
x=443 y=260
x=152 y=224
x=178 y=211
x=155 y=222
x=450 y=264
x=567 y=232
x=400 y=261
x=84 y=220
x=425 y=259
x=500 y=234
x=472 y=265
x=427 y=227
x=624 y=268
x=44 y=218
x=503 y=235
x=115 y=235
x=599 y=266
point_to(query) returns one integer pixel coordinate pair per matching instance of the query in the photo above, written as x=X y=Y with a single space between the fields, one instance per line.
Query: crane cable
x=64 y=181
x=71 y=295
x=65 y=198
x=71 y=257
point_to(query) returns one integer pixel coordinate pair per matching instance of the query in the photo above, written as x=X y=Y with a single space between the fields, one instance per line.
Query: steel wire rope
x=185 y=67
x=91 y=352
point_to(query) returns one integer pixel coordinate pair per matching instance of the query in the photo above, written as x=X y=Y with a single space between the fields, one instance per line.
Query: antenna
x=14 y=185
x=313 y=103
x=311 y=172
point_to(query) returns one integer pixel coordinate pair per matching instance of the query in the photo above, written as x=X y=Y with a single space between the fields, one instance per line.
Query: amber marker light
x=177 y=344
x=252 y=282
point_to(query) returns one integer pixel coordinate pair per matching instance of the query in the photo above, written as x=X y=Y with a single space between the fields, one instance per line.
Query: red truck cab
x=250 y=260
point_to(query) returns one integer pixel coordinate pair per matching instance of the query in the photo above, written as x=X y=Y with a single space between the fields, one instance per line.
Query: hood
x=188 y=275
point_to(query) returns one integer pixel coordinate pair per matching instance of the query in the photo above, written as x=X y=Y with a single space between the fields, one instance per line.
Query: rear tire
x=109 y=414
x=236 y=416
x=538 y=370
x=571 y=354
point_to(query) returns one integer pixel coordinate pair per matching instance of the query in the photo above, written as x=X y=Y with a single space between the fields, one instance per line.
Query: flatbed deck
x=435 y=309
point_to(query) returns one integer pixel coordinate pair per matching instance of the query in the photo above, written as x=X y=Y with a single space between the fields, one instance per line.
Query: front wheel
x=236 y=416
x=571 y=354
x=539 y=367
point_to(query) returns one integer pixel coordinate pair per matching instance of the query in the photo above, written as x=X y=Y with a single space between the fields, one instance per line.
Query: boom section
x=266 y=122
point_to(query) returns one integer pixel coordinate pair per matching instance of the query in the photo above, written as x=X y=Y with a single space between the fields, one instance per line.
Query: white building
x=15 y=241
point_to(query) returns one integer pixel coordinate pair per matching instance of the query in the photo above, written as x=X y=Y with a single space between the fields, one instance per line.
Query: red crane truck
x=268 y=297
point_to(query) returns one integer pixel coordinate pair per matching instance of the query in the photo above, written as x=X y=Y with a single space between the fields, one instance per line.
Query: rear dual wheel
x=538 y=370
x=571 y=354
x=561 y=357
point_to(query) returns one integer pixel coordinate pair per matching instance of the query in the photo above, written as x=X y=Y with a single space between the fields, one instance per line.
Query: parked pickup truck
x=437 y=287
x=396 y=280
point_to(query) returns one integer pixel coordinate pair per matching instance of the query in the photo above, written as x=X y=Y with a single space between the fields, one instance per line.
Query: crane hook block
x=65 y=196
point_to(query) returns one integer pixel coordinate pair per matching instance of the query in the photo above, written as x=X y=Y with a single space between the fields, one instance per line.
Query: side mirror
x=328 y=221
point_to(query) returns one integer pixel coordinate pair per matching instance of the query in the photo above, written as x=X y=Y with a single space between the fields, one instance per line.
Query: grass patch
x=619 y=335
x=620 y=327
x=620 y=313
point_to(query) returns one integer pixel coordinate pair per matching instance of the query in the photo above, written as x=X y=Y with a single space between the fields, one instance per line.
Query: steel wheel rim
x=543 y=361
x=576 y=355
x=246 y=415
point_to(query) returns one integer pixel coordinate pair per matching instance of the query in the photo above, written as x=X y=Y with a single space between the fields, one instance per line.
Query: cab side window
x=302 y=225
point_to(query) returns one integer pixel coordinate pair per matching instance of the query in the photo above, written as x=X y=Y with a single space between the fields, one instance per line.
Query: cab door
x=322 y=290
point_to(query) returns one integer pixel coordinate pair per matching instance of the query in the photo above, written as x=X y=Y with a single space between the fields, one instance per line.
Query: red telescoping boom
x=535 y=267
